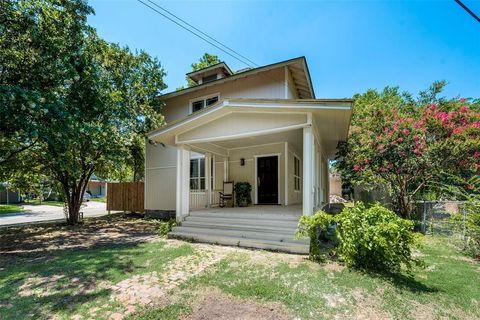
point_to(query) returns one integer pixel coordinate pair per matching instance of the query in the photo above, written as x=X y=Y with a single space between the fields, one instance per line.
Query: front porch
x=270 y=227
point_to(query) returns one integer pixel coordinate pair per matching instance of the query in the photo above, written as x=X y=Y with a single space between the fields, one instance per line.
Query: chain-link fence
x=445 y=218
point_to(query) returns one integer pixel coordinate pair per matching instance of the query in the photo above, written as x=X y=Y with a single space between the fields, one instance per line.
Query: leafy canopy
x=406 y=144
x=72 y=103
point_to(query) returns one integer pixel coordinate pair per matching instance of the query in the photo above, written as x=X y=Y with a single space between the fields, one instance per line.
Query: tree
x=205 y=61
x=84 y=105
x=407 y=144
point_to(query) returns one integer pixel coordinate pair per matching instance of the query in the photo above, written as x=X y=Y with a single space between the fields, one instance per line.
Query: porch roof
x=330 y=116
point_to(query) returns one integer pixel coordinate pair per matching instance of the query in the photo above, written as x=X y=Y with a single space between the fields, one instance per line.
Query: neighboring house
x=96 y=188
x=263 y=126
x=8 y=196
x=335 y=185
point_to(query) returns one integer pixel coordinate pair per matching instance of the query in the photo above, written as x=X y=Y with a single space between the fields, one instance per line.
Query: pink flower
x=392 y=143
x=357 y=167
x=463 y=109
x=462 y=100
x=400 y=139
x=405 y=132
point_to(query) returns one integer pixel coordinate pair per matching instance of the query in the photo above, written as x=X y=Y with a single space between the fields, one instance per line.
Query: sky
x=350 y=46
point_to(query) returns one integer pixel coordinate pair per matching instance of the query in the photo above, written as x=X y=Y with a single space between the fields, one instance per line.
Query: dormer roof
x=221 y=70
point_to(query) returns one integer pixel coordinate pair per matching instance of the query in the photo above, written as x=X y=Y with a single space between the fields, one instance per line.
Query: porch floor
x=274 y=210
x=262 y=227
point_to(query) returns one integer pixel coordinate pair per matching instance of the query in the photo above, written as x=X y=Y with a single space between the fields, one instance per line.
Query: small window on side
x=197 y=105
x=211 y=101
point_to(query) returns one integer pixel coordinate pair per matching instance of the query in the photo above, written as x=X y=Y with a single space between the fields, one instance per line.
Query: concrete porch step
x=244 y=221
x=243 y=227
x=230 y=232
x=289 y=247
x=245 y=215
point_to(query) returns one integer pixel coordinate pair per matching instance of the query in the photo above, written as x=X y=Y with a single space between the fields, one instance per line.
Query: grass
x=446 y=288
x=10 y=208
x=53 y=294
x=99 y=199
x=46 y=202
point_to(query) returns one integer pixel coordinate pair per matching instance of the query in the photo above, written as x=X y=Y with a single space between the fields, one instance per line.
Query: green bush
x=472 y=229
x=320 y=228
x=166 y=226
x=242 y=193
x=375 y=238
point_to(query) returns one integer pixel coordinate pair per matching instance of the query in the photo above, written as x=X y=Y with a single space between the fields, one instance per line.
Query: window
x=197 y=105
x=209 y=78
x=201 y=103
x=197 y=174
x=296 y=173
x=210 y=101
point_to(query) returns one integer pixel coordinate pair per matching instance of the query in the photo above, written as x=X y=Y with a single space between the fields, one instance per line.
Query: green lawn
x=10 y=208
x=47 y=203
x=79 y=282
x=100 y=199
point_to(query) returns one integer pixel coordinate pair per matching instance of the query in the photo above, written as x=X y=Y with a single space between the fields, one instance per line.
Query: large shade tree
x=71 y=102
x=410 y=145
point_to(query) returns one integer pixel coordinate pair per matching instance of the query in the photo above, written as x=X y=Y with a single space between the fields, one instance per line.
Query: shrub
x=166 y=226
x=320 y=228
x=472 y=229
x=242 y=193
x=375 y=239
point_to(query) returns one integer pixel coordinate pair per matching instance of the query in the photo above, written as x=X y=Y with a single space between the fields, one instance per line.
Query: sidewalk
x=48 y=214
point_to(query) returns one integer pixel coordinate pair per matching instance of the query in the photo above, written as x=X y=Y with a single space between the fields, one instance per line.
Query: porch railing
x=198 y=198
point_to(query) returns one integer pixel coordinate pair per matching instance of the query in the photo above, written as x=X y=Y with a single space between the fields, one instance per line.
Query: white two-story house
x=263 y=126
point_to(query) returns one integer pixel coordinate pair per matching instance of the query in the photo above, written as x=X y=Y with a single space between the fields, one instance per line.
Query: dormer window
x=203 y=102
x=209 y=78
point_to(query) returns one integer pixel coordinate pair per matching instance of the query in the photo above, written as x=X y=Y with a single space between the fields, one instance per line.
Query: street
x=47 y=213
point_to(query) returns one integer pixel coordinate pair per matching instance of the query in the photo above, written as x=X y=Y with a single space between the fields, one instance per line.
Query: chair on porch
x=226 y=194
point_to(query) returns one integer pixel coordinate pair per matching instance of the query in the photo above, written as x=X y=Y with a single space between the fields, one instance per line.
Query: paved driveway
x=46 y=213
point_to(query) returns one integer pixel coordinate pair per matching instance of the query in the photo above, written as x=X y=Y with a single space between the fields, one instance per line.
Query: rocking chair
x=227 y=194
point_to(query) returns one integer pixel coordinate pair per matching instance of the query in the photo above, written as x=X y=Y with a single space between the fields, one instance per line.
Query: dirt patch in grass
x=367 y=305
x=38 y=244
x=275 y=258
x=216 y=305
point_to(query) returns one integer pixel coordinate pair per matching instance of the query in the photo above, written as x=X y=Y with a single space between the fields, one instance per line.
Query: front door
x=267 y=180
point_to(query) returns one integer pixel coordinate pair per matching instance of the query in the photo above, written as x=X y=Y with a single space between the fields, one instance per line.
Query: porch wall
x=246 y=173
x=160 y=177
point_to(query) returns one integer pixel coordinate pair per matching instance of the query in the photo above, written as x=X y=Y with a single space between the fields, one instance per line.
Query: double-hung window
x=296 y=173
x=205 y=102
x=197 y=174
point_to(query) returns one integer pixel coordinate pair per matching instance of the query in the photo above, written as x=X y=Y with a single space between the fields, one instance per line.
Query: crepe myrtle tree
x=76 y=103
x=407 y=144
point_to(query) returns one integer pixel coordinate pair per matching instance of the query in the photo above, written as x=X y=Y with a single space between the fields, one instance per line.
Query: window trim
x=295 y=176
x=204 y=98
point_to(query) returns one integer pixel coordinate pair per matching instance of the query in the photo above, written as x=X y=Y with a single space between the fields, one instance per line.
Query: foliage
x=375 y=238
x=166 y=226
x=71 y=103
x=243 y=193
x=318 y=228
x=472 y=228
x=405 y=143
x=205 y=61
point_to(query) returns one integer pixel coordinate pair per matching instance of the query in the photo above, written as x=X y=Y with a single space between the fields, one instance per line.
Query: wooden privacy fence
x=125 y=196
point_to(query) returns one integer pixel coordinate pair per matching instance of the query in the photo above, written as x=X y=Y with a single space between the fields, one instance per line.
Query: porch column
x=183 y=183
x=225 y=169
x=208 y=178
x=308 y=171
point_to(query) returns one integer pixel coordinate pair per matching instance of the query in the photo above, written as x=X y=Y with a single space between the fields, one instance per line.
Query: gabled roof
x=297 y=66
